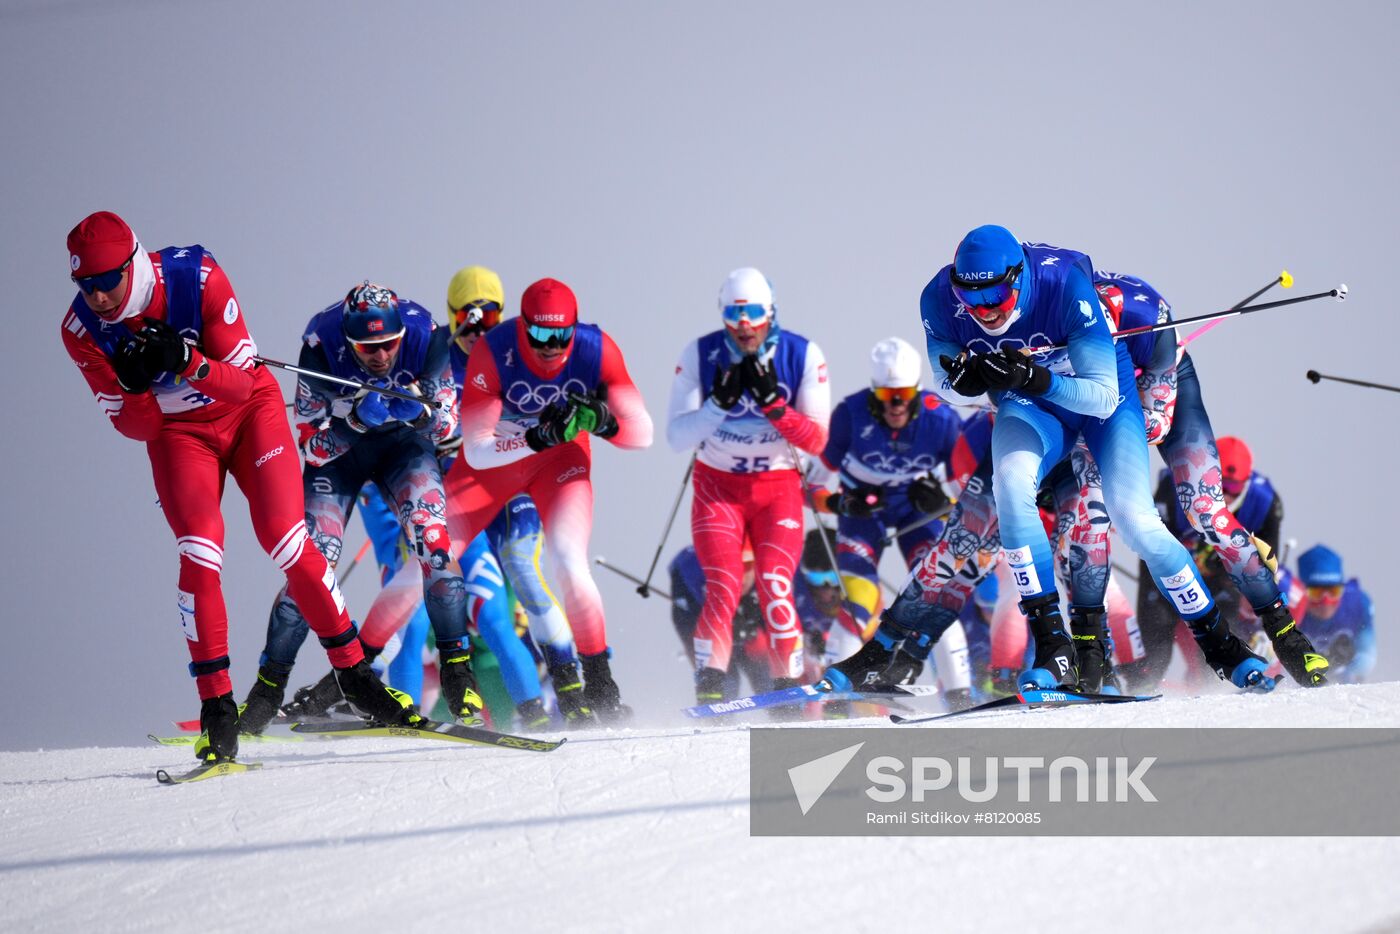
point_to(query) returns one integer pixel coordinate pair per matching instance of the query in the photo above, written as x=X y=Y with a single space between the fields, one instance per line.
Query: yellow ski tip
x=1285 y=279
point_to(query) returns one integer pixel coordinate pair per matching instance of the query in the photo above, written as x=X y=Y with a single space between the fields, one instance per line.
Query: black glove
x=761 y=380
x=859 y=503
x=130 y=364
x=165 y=350
x=728 y=387
x=550 y=430
x=963 y=376
x=926 y=495
x=604 y=422
x=1011 y=369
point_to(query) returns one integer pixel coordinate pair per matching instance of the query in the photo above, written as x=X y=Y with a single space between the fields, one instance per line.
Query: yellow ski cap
x=474 y=284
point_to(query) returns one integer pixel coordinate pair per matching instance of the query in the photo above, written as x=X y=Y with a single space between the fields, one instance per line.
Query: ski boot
x=905 y=669
x=601 y=691
x=867 y=667
x=1056 y=664
x=1295 y=651
x=568 y=696
x=1227 y=656
x=709 y=686
x=218 y=736
x=372 y=698
x=459 y=686
x=263 y=701
x=314 y=700
x=532 y=715
x=1090 y=627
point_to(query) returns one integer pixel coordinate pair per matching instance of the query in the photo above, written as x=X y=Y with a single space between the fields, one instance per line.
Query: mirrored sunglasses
x=903 y=394
x=821 y=578
x=477 y=316
x=1325 y=594
x=754 y=314
x=541 y=337
x=388 y=345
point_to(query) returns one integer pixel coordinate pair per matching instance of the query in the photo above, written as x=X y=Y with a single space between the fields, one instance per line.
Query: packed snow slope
x=643 y=829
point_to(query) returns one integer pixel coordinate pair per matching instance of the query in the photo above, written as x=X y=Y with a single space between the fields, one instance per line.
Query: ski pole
x=359 y=556
x=1284 y=279
x=1339 y=293
x=603 y=562
x=353 y=384
x=905 y=530
x=817 y=520
x=1125 y=572
x=1315 y=376
x=645 y=586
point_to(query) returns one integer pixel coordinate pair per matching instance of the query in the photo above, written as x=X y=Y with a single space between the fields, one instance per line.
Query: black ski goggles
x=988 y=291
x=104 y=281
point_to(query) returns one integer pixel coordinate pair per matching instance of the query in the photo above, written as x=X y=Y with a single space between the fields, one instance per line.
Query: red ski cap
x=99 y=243
x=549 y=303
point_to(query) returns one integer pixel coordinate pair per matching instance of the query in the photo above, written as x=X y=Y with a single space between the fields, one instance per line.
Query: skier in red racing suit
x=161 y=341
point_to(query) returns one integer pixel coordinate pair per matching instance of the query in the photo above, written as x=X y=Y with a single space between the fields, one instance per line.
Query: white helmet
x=746 y=286
x=894 y=363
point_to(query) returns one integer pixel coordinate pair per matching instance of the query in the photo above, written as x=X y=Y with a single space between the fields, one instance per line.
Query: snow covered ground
x=643 y=829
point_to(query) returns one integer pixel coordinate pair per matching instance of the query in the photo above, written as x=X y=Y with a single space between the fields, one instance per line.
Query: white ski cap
x=746 y=286
x=894 y=363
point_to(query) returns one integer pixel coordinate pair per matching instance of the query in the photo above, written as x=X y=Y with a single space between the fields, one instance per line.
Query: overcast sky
x=640 y=151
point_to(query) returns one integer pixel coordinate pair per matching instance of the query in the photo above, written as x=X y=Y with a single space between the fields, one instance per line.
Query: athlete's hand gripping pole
x=1339 y=293
x=361 y=388
x=603 y=562
x=645 y=586
x=1316 y=377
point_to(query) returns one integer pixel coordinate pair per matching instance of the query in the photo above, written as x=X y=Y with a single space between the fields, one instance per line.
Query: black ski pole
x=1339 y=293
x=645 y=586
x=603 y=562
x=1314 y=376
x=353 y=384
x=817 y=520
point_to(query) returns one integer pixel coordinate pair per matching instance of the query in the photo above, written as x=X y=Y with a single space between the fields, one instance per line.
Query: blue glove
x=370 y=411
x=415 y=413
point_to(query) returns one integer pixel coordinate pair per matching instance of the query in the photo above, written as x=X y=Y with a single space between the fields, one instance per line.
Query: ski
x=431 y=729
x=1033 y=699
x=207 y=770
x=187 y=739
x=805 y=693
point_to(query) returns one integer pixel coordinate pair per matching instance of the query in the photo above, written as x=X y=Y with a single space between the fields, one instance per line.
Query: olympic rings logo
x=530 y=399
x=898 y=463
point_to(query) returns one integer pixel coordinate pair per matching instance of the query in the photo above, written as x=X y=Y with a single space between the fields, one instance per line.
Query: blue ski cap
x=1320 y=566
x=987 y=266
x=370 y=314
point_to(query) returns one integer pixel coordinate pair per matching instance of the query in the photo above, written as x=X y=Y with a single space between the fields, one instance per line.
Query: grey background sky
x=639 y=151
